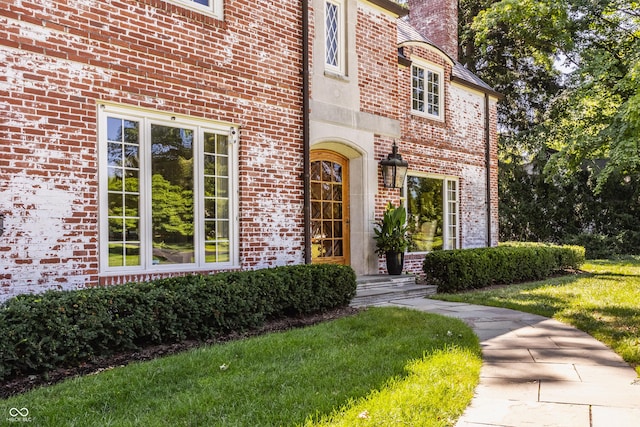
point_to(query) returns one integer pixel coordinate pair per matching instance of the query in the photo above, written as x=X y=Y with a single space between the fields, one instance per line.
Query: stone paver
x=540 y=372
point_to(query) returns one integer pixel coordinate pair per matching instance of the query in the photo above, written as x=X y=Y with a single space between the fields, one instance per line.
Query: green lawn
x=383 y=366
x=605 y=302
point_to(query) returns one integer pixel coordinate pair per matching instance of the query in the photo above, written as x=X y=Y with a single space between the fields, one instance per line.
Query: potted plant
x=391 y=237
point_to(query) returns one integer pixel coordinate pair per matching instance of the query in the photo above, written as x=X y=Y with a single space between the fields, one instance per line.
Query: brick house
x=147 y=138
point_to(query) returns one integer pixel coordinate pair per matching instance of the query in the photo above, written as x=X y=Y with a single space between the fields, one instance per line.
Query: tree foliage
x=570 y=119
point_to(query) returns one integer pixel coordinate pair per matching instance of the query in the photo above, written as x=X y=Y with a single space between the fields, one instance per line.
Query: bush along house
x=151 y=138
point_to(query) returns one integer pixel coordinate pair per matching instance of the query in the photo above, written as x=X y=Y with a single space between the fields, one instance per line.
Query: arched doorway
x=329 y=208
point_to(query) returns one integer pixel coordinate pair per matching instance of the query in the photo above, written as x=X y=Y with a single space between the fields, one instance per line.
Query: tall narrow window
x=432 y=212
x=451 y=199
x=172 y=195
x=426 y=91
x=216 y=198
x=333 y=36
x=168 y=187
x=123 y=189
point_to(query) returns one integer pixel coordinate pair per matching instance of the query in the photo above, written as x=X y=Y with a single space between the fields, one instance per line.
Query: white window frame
x=450 y=208
x=215 y=9
x=200 y=127
x=338 y=68
x=428 y=67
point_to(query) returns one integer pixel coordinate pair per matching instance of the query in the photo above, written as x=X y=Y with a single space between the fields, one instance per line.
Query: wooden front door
x=329 y=207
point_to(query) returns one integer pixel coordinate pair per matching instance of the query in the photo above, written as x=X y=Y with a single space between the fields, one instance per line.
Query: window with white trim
x=167 y=192
x=427 y=91
x=432 y=211
x=211 y=7
x=334 y=36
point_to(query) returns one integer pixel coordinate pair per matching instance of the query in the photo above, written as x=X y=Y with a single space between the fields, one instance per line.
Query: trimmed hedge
x=65 y=328
x=463 y=269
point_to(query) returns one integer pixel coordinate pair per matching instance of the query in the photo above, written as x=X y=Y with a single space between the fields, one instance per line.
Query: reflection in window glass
x=425 y=91
x=431 y=213
x=168 y=192
x=327 y=209
x=123 y=192
x=172 y=195
x=216 y=198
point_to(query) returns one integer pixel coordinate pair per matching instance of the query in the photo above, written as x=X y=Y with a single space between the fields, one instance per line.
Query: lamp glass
x=400 y=173
x=394 y=169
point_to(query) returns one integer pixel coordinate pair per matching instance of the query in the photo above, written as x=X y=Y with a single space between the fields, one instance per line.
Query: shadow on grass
x=605 y=304
x=281 y=378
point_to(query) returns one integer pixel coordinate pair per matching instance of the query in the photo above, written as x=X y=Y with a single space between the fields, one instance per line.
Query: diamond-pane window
x=332 y=34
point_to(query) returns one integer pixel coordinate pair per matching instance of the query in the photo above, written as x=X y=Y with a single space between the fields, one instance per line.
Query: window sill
x=431 y=117
x=169 y=269
x=192 y=13
x=336 y=76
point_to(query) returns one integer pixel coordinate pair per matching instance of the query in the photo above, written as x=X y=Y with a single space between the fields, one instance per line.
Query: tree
x=570 y=120
x=598 y=115
x=513 y=45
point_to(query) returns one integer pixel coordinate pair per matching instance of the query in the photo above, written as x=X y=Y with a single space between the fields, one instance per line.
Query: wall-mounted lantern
x=1 y=224
x=394 y=169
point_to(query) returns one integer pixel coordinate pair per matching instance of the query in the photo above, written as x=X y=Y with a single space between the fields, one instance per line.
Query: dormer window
x=427 y=91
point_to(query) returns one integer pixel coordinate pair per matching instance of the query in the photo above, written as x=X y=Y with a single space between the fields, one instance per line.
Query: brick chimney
x=438 y=21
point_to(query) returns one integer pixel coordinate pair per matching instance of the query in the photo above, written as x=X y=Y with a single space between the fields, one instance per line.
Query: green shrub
x=65 y=328
x=600 y=246
x=462 y=269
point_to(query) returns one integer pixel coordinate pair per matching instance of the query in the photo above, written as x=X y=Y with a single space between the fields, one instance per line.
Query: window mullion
x=159 y=140
x=198 y=197
x=445 y=215
x=146 y=242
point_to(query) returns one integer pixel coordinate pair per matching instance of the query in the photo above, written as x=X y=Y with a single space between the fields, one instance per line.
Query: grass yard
x=381 y=367
x=604 y=302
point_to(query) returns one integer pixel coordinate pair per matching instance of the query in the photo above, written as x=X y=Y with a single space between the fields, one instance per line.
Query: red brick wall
x=454 y=147
x=59 y=58
x=376 y=41
x=437 y=20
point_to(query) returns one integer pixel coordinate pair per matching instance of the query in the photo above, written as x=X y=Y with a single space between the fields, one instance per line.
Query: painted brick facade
x=377 y=62
x=61 y=61
x=60 y=58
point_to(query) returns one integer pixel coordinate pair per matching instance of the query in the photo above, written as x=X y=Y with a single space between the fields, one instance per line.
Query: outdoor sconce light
x=1 y=224
x=394 y=169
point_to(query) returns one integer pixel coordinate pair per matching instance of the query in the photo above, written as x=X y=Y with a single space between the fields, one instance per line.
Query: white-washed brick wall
x=59 y=58
x=454 y=147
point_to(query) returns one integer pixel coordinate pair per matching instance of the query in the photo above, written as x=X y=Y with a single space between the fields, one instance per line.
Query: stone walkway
x=540 y=372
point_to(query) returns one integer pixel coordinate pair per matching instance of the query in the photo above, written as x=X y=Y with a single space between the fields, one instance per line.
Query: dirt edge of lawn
x=25 y=383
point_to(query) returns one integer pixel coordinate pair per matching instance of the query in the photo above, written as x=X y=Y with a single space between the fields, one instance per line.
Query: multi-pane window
x=166 y=192
x=327 y=206
x=426 y=91
x=451 y=198
x=123 y=180
x=216 y=198
x=333 y=36
x=213 y=7
x=432 y=212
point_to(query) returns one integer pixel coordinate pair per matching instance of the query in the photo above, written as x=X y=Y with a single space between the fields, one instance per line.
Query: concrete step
x=379 y=289
x=385 y=280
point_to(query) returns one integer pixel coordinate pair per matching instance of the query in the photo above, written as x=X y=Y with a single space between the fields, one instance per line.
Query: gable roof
x=408 y=34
